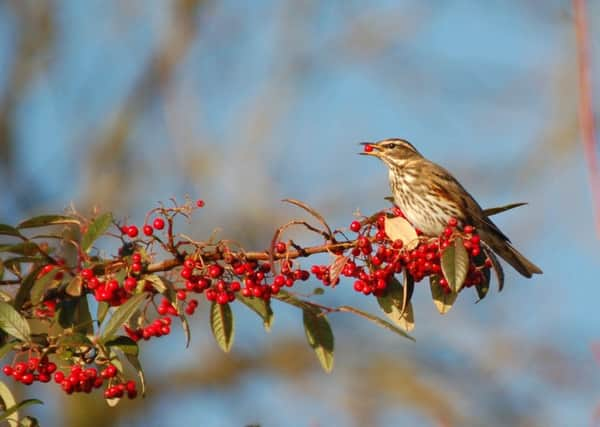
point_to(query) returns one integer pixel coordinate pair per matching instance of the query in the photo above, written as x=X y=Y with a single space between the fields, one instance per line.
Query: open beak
x=374 y=149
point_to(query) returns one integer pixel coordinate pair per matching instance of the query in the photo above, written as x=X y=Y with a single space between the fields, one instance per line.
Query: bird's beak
x=374 y=149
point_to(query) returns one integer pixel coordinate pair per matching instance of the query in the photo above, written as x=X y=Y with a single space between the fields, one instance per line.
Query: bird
x=429 y=196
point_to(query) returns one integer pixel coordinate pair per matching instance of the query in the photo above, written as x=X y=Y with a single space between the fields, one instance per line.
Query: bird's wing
x=447 y=186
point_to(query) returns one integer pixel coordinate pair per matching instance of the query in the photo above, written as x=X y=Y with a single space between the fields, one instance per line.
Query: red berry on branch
x=8 y=370
x=468 y=229
x=132 y=231
x=158 y=223
x=147 y=229
x=87 y=273
x=181 y=295
x=355 y=226
x=215 y=271
x=452 y=222
x=280 y=247
x=200 y=203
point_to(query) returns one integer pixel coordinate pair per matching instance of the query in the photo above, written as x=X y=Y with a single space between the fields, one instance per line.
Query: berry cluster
x=78 y=380
x=376 y=258
x=221 y=282
x=33 y=370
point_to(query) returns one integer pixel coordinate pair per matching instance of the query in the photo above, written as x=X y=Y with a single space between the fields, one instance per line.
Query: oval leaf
x=260 y=307
x=442 y=299
x=13 y=409
x=8 y=401
x=396 y=307
x=25 y=248
x=122 y=315
x=96 y=229
x=7 y=230
x=125 y=344
x=221 y=323
x=320 y=337
x=13 y=323
x=455 y=264
x=45 y=220
x=398 y=228
x=135 y=362
x=39 y=287
x=378 y=321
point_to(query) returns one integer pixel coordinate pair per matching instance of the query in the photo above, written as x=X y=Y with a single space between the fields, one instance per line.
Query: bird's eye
x=390 y=145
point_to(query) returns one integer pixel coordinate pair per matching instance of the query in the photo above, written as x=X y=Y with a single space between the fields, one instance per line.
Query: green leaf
x=396 y=305
x=29 y=421
x=74 y=286
x=494 y=211
x=23 y=294
x=75 y=313
x=13 y=409
x=5 y=296
x=13 y=323
x=5 y=349
x=260 y=307
x=96 y=229
x=378 y=321
x=398 y=228
x=122 y=315
x=156 y=282
x=222 y=325
x=74 y=340
x=455 y=264
x=442 y=299
x=24 y=248
x=125 y=344
x=135 y=362
x=8 y=401
x=39 y=287
x=8 y=230
x=319 y=336
x=45 y=220
x=102 y=311
x=185 y=325
x=83 y=317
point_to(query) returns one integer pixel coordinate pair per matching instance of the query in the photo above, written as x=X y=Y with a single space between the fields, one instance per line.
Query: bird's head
x=392 y=151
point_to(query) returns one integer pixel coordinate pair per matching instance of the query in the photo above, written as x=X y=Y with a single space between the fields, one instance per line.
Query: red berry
x=8 y=370
x=181 y=295
x=87 y=273
x=200 y=203
x=368 y=148
x=215 y=271
x=132 y=231
x=136 y=257
x=147 y=230
x=355 y=226
x=468 y=229
x=27 y=379
x=158 y=223
x=452 y=222
x=280 y=247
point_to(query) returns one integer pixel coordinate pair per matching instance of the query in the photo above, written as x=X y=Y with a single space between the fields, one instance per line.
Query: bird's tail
x=512 y=256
